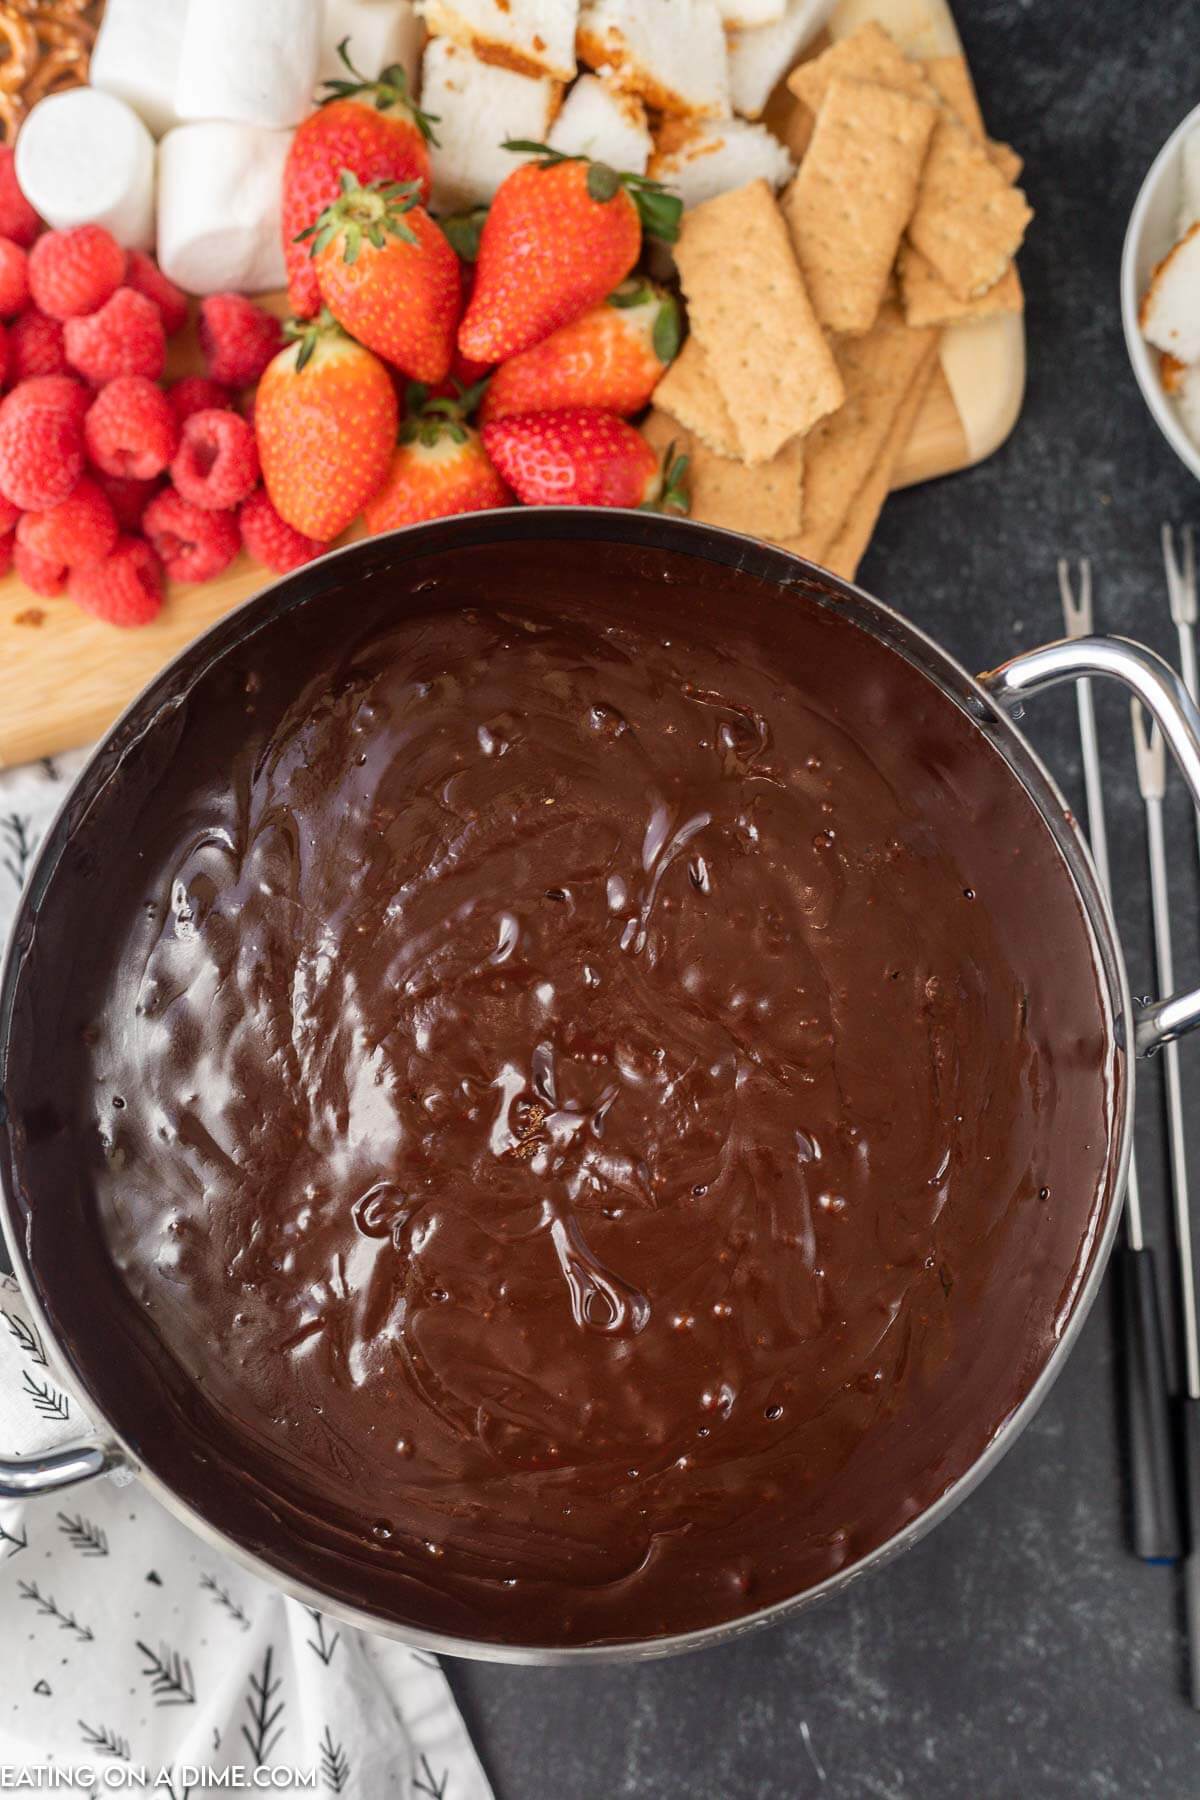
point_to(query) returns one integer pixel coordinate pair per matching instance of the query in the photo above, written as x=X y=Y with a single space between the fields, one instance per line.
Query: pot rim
x=651 y=532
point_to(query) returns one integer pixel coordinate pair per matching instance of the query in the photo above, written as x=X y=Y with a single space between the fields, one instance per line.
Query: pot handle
x=1154 y=682
x=55 y=1469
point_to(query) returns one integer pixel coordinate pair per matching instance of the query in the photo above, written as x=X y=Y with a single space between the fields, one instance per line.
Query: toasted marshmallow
x=251 y=62
x=381 y=32
x=671 y=53
x=533 y=37
x=219 y=207
x=84 y=157
x=600 y=122
x=477 y=107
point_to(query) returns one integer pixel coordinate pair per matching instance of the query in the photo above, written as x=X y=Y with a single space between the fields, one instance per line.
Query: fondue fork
x=1150 y=755
x=1181 y=593
x=1154 y=1499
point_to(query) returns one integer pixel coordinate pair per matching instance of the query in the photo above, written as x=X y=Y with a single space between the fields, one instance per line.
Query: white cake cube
x=671 y=53
x=761 y=58
x=748 y=15
x=136 y=57
x=84 y=157
x=601 y=122
x=477 y=107
x=1189 y=183
x=713 y=156
x=251 y=62
x=533 y=37
x=1170 y=309
x=219 y=207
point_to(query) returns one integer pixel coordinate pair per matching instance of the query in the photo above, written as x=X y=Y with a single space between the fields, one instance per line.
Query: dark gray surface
x=1020 y=1650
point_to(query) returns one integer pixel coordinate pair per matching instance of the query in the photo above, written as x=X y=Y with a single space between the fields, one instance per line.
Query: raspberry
x=18 y=220
x=238 y=338
x=44 y=577
x=144 y=276
x=41 y=455
x=62 y=392
x=125 y=337
x=75 y=272
x=8 y=543
x=128 y=497
x=196 y=393
x=79 y=530
x=193 y=543
x=4 y=353
x=130 y=428
x=125 y=589
x=14 y=279
x=9 y=514
x=35 y=346
x=216 y=465
x=270 y=540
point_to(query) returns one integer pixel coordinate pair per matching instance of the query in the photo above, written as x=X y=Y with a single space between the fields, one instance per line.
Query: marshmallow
x=219 y=216
x=136 y=57
x=381 y=32
x=253 y=62
x=84 y=157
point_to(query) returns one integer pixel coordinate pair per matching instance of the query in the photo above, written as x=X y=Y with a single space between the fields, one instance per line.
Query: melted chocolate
x=596 y=1107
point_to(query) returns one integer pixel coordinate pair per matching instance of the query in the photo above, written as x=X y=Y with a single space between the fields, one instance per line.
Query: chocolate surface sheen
x=598 y=1095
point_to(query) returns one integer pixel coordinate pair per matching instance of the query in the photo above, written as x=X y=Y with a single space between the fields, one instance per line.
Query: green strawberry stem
x=674 y=495
x=391 y=89
x=427 y=420
x=374 y=212
x=309 y=333
x=659 y=210
x=464 y=231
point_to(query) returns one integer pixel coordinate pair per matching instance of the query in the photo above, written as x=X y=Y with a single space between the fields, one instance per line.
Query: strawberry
x=439 y=467
x=613 y=357
x=581 y=457
x=562 y=232
x=371 y=128
x=325 y=419
x=388 y=275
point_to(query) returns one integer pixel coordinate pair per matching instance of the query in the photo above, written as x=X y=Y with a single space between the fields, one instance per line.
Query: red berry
x=79 y=530
x=35 y=346
x=238 y=339
x=270 y=540
x=8 y=543
x=216 y=464
x=41 y=455
x=144 y=276
x=9 y=515
x=62 y=392
x=196 y=393
x=195 y=544
x=14 y=279
x=128 y=497
x=125 y=337
x=75 y=272
x=130 y=428
x=4 y=353
x=39 y=572
x=125 y=589
x=18 y=220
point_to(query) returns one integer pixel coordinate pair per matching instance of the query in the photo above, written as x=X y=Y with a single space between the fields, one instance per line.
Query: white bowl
x=1150 y=234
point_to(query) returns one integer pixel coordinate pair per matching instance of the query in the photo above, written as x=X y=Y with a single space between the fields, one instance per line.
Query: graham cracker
x=968 y=221
x=951 y=80
x=846 y=551
x=764 y=501
x=689 y=392
x=868 y=55
x=748 y=305
x=928 y=301
x=878 y=371
x=1009 y=161
x=854 y=194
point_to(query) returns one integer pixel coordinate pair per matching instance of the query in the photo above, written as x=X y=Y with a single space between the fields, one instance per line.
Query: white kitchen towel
x=127 y=1644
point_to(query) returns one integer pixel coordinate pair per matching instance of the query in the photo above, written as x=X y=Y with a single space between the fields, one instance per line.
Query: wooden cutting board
x=65 y=677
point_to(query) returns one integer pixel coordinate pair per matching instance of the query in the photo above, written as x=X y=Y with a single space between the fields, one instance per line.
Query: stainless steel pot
x=993 y=701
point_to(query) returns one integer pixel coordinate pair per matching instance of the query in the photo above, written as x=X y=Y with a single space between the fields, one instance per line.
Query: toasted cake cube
x=671 y=53
x=1170 y=309
x=855 y=193
x=750 y=15
x=759 y=59
x=1189 y=184
x=1187 y=396
x=601 y=122
x=478 y=106
x=531 y=37
x=699 y=160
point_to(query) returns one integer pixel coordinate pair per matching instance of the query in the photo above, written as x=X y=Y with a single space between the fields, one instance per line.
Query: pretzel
x=43 y=49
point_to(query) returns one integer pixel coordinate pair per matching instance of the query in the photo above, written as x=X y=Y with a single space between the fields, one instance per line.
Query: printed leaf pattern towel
x=125 y=1640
